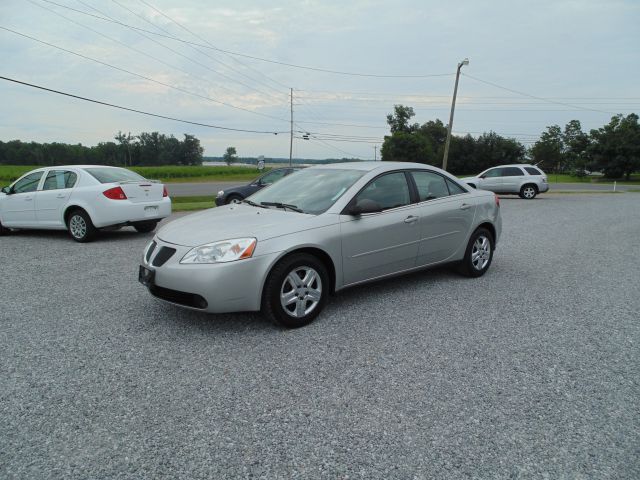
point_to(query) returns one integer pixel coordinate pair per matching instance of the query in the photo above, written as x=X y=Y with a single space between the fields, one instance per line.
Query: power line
x=212 y=45
x=533 y=96
x=238 y=54
x=99 y=102
x=202 y=53
x=141 y=76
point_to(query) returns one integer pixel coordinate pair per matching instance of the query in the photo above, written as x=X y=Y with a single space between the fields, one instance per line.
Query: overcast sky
x=583 y=56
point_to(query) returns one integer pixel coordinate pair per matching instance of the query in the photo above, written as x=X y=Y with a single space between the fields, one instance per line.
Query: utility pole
x=291 y=137
x=453 y=107
x=375 y=153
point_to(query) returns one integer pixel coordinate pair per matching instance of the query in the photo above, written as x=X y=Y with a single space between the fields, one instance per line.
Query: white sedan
x=83 y=199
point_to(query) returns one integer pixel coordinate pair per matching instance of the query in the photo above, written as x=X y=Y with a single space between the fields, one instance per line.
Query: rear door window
x=454 y=188
x=512 y=172
x=430 y=185
x=59 y=179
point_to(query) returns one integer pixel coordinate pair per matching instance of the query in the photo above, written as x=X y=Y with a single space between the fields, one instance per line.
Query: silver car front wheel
x=301 y=291
x=296 y=290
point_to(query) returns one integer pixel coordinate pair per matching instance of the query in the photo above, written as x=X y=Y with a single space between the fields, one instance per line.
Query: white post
x=614 y=185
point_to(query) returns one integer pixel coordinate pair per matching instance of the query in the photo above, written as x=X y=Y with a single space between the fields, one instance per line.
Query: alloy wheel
x=78 y=226
x=529 y=192
x=481 y=253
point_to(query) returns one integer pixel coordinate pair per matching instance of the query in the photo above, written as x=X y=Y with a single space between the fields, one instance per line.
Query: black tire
x=233 y=197
x=476 y=267
x=3 y=230
x=528 y=191
x=80 y=226
x=278 y=283
x=146 y=227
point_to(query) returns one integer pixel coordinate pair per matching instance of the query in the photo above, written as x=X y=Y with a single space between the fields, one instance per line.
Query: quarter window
x=28 y=184
x=430 y=185
x=59 y=179
x=533 y=171
x=454 y=188
x=388 y=191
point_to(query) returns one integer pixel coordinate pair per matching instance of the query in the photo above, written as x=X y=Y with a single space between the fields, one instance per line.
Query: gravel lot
x=529 y=372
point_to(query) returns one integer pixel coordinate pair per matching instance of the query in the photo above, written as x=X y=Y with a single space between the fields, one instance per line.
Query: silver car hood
x=237 y=221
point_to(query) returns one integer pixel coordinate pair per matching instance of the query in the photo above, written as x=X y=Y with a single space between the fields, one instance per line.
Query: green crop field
x=187 y=204
x=9 y=173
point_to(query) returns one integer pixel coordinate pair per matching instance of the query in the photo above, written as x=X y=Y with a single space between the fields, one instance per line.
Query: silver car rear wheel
x=528 y=192
x=479 y=253
x=301 y=291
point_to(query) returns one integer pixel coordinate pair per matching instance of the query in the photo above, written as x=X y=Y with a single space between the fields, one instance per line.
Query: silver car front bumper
x=215 y=288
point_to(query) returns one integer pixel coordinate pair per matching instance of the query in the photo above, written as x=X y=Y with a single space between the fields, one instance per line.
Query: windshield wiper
x=282 y=205
x=253 y=204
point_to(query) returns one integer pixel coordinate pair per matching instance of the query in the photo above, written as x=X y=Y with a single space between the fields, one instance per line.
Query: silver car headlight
x=221 y=252
x=220 y=193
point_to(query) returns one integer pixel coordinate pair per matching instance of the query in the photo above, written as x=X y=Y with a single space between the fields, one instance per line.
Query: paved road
x=532 y=371
x=188 y=189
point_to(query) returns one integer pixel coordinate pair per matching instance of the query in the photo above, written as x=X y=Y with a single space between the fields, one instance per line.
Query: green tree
x=230 y=156
x=575 y=143
x=549 y=150
x=399 y=120
x=616 y=146
x=125 y=144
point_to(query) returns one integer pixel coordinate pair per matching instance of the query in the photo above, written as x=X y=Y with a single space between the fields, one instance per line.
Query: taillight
x=497 y=199
x=165 y=193
x=115 y=193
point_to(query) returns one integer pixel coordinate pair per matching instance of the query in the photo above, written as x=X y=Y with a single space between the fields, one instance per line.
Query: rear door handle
x=61 y=195
x=411 y=219
x=465 y=206
x=28 y=199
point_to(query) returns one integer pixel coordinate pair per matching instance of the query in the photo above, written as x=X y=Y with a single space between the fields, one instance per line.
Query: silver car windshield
x=310 y=190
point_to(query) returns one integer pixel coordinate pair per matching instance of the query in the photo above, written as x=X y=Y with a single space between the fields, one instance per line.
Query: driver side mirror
x=7 y=190
x=364 y=206
x=484 y=175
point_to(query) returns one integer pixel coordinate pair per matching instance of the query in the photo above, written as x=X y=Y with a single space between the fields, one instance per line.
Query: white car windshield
x=112 y=175
x=311 y=190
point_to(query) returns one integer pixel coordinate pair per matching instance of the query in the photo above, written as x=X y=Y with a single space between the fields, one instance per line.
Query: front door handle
x=465 y=206
x=411 y=219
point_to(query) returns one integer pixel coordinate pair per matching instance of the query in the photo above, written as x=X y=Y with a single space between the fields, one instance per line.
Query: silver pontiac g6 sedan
x=284 y=249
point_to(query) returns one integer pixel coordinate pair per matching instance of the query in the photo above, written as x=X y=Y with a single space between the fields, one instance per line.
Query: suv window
x=512 y=172
x=28 y=184
x=58 y=179
x=273 y=177
x=389 y=191
x=533 y=171
x=494 y=172
x=430 y=185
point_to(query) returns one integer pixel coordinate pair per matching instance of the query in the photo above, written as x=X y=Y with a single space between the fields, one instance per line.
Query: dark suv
x=225 y=197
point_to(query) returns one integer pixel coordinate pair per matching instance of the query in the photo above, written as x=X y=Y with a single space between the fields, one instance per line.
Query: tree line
x=145 y=149
x=613 y=149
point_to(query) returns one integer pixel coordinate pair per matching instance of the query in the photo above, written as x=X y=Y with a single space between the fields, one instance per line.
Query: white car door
x=512 y=178
x=385 y=242
x=446 y=216
x=18 y=206
x=54 y=196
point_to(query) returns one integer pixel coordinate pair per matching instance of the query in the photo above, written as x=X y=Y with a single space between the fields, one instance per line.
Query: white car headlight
x=221 y=252
x=220 y=193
